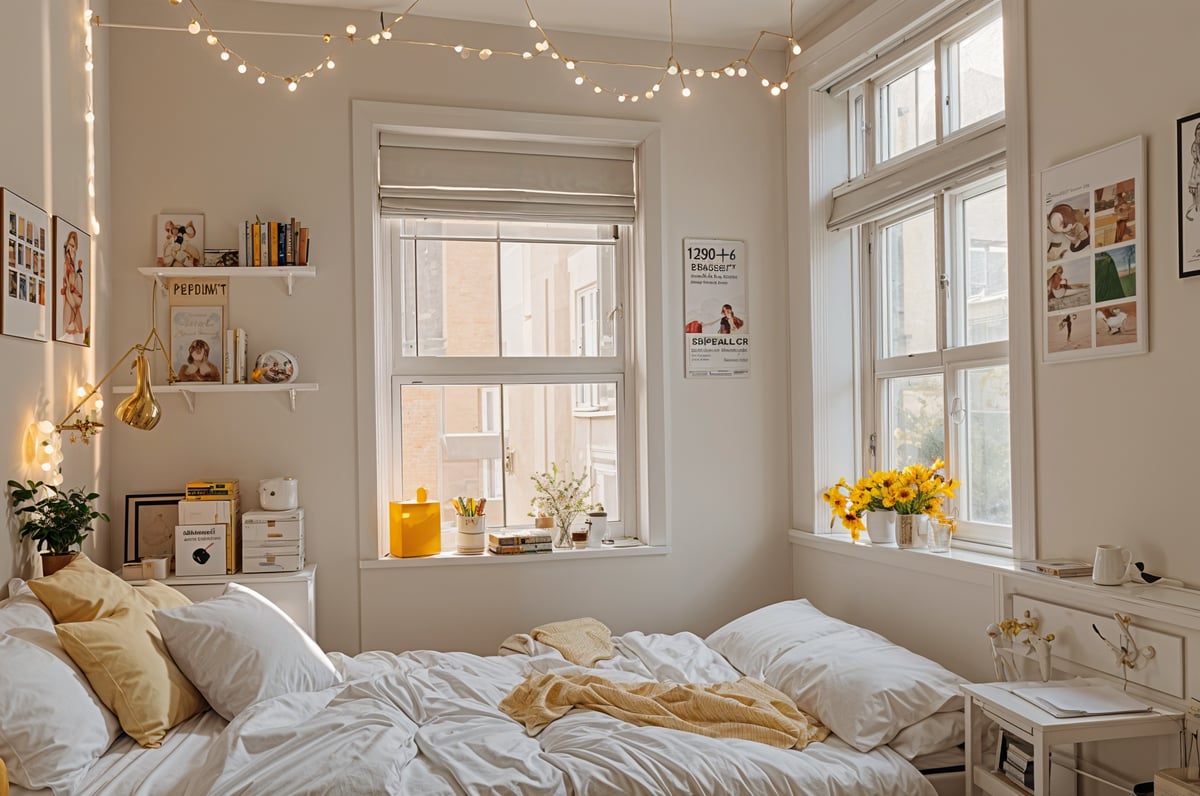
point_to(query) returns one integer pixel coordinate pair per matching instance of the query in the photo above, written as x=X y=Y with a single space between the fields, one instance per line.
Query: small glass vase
x=911 y=530
x=562 y=536
x=937 y=540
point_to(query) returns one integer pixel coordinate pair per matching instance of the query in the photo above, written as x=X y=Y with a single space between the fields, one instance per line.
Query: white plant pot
x=881 y=526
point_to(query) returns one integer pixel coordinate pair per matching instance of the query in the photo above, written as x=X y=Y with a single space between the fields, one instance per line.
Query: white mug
x=1112 y=562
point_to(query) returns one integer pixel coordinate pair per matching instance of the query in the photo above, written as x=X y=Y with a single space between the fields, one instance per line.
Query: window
x=930 y=208
x=510 y=256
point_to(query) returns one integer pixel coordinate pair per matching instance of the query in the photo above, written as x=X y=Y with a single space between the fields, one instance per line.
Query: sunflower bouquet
x=915 y=489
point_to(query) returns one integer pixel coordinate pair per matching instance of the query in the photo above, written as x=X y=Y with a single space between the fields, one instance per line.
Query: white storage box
x=273 y=541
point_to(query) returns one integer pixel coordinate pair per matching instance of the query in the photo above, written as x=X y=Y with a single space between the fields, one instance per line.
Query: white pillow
x=239 y=649
x=53 y=727
x=860 y=685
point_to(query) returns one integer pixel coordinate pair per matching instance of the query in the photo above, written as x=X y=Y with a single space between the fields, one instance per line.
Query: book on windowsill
x=507 y=538
x=1058 y=567
x=520 y=549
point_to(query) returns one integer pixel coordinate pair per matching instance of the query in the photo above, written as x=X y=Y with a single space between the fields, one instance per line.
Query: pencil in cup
x=468 y=507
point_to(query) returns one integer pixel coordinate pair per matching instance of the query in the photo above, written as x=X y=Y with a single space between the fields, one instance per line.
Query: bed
x=280 y=716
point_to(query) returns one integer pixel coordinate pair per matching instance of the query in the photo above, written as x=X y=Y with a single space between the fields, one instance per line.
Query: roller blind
x=516 y=180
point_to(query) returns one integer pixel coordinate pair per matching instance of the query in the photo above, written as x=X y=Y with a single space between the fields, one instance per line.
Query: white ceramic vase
x=881 y=526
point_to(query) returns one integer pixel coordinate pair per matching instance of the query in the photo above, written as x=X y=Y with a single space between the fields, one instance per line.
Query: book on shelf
x=1014 y=760
x=239 y=356
x=1057 y=567
x=520 y=549
x=512 y=538
x=272 y=243
x=227 y=369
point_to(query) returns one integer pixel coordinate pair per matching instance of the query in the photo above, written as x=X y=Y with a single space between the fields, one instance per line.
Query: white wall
x=44 y=159
x=189 y=134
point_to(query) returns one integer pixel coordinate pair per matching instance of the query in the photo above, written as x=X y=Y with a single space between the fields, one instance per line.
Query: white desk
x=294 y=592
x=996 y=702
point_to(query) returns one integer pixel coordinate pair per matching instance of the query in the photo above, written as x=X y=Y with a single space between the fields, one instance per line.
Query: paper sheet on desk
x=1072 y=701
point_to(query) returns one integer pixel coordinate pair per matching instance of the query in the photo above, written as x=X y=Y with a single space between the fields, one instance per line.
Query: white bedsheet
x=427 y=723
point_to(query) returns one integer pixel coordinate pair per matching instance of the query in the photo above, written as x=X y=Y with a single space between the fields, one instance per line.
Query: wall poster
x=27 y=270
x=717 y=315
x=1094 y=255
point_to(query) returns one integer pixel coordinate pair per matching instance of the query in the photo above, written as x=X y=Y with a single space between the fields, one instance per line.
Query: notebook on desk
x=1074 y=701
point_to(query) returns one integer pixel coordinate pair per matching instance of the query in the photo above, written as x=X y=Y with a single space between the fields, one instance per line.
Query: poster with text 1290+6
x=716 y=313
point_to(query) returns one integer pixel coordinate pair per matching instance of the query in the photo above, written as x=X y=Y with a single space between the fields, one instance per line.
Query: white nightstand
x=996 y=702
x=294 y=592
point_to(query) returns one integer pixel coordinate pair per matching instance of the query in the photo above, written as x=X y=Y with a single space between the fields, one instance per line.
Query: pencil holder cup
x=471 y=534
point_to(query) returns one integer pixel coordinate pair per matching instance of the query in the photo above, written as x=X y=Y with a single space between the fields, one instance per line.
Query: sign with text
x=715 y=302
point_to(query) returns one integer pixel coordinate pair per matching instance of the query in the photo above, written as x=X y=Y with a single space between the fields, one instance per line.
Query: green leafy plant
x=562 y=498
x=58 y=519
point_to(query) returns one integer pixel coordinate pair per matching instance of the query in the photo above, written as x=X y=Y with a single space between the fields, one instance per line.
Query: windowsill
x=455 y=559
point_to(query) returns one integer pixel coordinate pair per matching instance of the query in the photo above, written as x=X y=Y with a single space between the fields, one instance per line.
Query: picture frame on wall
x=72 y=296
x=150 y=521
x=27 y=270
x=1093 y=260
x=1187 y=150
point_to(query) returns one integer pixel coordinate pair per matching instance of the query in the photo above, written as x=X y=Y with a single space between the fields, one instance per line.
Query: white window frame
x=832 y=337
x=646 y=510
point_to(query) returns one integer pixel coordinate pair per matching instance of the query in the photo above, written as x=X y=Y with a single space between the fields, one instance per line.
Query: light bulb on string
x=699 y=72
x=542 y=46
x=765 y=82
x=224 y=55
x=211 y=38
x=672 y=69
x=193 y=27
x=729 y=70
x=308 y=74
x=774 y=91
x=374 y=38
x=88 y=65
x=89 y=117
x=633 y=97
x=579 y=80
x=330 y=64
x=621 y=98
x=554 y=55
x=570 y=64
x=597 y=89
x=351 y=29
x=485 y=54
x=784 y=85
x=458 y=48
x=715 y=75
x=262 y=79
x=687 y=92
x=291 y=84
x=796 y=48
x=242 y=68
x=533 y=23
x=386 y=33
x=527 y=55
x=656 y=87
x=687 y=71
x=742 y=71
x=649 y=94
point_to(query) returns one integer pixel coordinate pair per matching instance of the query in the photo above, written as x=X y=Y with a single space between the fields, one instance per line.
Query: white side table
x=293 y=592
x=996 y=702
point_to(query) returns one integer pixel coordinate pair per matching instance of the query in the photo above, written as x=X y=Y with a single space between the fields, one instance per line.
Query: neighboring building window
x=932 y=217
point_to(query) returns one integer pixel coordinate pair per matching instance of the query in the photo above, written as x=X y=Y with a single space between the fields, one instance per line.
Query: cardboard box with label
x=273 y=541
x=213 y=511
x=200 y=549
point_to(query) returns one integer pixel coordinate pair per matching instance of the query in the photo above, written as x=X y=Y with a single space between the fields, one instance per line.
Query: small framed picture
x=24 y=237
x=180 y=240
x=72 y=253
x=197 y=342
x=1187 y=144
x=221 y=258
x=150 y=521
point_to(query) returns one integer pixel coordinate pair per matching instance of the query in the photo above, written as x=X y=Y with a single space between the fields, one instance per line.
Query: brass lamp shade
x=140 y=410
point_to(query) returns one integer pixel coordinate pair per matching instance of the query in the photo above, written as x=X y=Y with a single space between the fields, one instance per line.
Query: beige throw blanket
x=581 y=641
x=745 y=709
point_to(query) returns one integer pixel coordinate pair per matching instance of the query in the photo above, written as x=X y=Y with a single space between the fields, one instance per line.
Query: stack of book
x=234 y=362
x=1058 y=567
x=1016 y=761
x=272 y=243
x=519 y=542
x=208 y=536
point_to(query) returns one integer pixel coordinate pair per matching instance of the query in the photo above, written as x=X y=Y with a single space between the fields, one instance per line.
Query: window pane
x=486 y=440
x=915 y=419
x=908 y=111
x=909 y=289
x=455 y=283
x=526 y=230
x=988 y=453
x=449 y=228
x=985 y=236
x=541 y=289
x=981 y=74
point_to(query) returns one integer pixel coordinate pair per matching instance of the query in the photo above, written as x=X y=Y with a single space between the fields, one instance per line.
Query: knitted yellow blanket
x=747 y=709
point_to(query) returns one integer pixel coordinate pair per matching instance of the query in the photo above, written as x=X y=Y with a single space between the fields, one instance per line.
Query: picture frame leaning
x=1187 y=151
x=150 y=521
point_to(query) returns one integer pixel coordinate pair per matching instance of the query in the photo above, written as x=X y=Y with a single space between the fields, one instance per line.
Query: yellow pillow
x=81 y=591
x=160 y=595
x=127 y=663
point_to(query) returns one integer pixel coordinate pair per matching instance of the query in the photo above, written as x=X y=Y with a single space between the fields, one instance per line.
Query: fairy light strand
x=576 y=68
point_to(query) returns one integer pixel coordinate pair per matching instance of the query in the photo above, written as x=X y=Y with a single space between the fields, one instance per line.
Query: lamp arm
x=96 y=389
x=144 y=346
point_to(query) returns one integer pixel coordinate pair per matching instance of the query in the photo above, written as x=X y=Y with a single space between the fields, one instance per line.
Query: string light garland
x=577 y=68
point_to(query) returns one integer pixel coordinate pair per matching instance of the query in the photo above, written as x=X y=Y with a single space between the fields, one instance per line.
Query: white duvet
x=428 y=723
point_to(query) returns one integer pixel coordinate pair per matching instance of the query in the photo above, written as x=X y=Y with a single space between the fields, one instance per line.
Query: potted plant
x=562 y=499
x=58 y=519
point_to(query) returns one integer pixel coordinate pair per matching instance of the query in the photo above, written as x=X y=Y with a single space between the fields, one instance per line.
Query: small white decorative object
x=275 y=367
x=1126 y=651
x=279 y=494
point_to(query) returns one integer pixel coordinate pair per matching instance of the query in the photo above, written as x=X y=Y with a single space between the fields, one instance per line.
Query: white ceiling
x=728 y=23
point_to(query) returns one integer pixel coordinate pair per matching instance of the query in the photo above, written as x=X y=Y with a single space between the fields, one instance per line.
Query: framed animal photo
x=72 y=253
x=180 y=240
x=26 y=247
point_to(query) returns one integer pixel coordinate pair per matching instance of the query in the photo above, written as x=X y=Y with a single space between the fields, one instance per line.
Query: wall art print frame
x=150 y=521
x=1187 y=150
x=24 y=243
x=72 y=254
x=1093 y=259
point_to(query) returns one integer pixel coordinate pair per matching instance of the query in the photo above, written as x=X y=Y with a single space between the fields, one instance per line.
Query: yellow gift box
x=416 y=527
